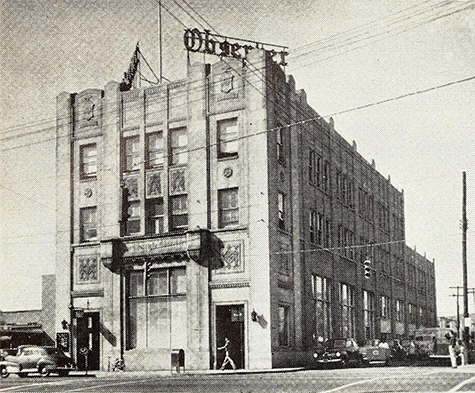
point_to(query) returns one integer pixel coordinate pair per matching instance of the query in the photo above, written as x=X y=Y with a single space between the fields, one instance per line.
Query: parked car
x=373 y=353
x=7 y=351
x=340 y=351
x=398 y=352
x=32 y=359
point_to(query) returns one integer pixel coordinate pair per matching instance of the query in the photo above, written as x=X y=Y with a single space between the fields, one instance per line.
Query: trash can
x=178 y=359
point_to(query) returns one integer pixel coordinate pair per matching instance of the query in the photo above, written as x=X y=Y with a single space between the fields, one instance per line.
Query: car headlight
x=338 y=354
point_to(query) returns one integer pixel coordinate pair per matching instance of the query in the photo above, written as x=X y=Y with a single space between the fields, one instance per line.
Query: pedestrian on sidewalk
x=227 y=358
x=462 y=353
x=452 y=345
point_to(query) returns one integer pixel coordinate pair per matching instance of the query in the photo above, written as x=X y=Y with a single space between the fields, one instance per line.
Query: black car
x=339 y=351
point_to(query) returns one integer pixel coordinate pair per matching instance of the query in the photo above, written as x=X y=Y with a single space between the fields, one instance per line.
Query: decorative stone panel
x=232 y=258
x=88 y=108
x=132 y=184
x=87 y=269
x=227 y=86
x=178 y=181
x=154 y=184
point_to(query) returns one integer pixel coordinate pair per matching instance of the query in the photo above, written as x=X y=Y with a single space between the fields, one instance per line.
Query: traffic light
x=367 y=268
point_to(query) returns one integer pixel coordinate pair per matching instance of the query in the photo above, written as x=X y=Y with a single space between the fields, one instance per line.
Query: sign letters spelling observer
x=206 y=42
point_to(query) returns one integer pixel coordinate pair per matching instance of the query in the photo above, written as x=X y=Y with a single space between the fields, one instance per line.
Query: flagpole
x=160 y=36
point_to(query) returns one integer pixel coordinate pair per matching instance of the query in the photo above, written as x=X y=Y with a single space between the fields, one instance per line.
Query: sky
x=347 y=54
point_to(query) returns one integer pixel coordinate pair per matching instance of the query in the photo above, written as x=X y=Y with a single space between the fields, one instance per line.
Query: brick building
x=205 y=209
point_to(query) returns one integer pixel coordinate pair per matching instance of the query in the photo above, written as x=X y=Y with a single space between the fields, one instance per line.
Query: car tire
x=63 y=373
x=4 y=373
x=43 y=370
x=22 y=375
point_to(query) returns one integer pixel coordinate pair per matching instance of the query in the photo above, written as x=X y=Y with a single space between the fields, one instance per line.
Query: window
x=340 y=239
x=368 y=307
x=312 y=218
x=154 y=149
x=326 y=176
x=132 y=153
x=344 y=190
x=338 y=185
x=157 y=312
x=281 y=210
x=328 y=233
x=346 y=294
x=155 y=216
x=228 y=206
x=88 y=224
x=320 y=228
x=179 y=212
x=284 y=328
x=399 y=311
x=133 y=221
x=311 y=166
x=179 y=146
x=227 y=138
x=384 y=307
x=351 y=200
x=285 y=258
x=280 y=143
x=88 y=161
x=411 y=312
x=319 y=172
x=321 y=294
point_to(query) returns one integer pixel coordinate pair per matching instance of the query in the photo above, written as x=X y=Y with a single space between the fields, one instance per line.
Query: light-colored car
x=375 y=353
x=36 y=359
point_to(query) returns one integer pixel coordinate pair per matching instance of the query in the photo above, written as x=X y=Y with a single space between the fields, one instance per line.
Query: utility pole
x=466 y=331
x=160 y=39
x=458 y=308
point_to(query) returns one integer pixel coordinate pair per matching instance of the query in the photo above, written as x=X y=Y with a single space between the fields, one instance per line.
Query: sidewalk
x=169 y=373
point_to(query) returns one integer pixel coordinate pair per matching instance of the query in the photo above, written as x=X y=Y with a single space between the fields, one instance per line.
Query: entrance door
x=230 y=325
x=88 y=341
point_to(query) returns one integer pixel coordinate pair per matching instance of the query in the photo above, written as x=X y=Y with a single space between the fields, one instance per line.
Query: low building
x=31 y=326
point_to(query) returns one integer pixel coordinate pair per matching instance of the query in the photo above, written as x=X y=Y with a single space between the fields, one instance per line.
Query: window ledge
x=87 y=179
x=228 y=157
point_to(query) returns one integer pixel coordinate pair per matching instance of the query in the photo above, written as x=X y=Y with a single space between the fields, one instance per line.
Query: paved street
x=390 y=379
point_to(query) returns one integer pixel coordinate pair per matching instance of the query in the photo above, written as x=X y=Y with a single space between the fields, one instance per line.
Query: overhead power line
x=374 y=29
x=306 y=120
x=394 y=33
x=38 y=122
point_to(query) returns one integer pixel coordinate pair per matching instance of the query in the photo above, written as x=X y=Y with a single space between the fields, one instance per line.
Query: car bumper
x=325 y=361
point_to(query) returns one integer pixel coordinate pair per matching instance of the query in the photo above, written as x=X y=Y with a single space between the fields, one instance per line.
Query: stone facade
x=205 y=209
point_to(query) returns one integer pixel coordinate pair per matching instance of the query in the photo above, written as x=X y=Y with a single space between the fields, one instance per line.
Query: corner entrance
x=230 y=325
x=88 y=341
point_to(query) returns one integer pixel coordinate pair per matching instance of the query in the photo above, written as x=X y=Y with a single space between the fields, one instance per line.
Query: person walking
x=452 y=345
x=462 y=353
x=227 y=358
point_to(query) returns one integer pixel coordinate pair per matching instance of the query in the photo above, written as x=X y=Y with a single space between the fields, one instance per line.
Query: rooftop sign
x=215 y=44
